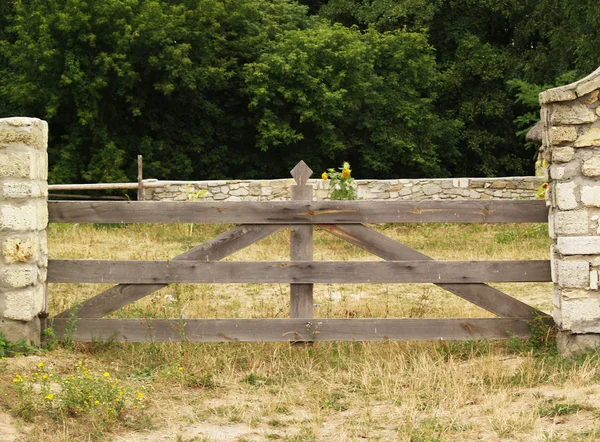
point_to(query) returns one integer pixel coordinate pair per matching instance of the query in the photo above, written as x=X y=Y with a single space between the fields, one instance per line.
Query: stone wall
x=23 y=222
x=414 y=189
x=571 y=143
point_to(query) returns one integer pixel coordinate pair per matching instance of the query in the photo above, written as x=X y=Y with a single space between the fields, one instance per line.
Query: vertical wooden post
x=140 y=192
x=301 y=244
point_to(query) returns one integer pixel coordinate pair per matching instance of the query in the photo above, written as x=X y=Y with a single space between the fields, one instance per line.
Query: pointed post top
x=301 y=173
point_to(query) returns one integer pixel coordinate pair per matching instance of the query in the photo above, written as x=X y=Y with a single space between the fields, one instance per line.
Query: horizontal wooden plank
x=284 y=330
x=105 y=186
x=298 y=212
x=303 y=272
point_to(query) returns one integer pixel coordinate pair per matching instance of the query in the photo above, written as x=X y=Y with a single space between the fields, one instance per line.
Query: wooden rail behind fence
x=258 y=220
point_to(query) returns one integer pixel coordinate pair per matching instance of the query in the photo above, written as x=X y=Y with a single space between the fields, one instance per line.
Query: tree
x=333 y=92
x=121 y=77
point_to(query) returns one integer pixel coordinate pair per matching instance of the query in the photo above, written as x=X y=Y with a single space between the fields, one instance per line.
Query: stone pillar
x=23 y=223
x=571 y=140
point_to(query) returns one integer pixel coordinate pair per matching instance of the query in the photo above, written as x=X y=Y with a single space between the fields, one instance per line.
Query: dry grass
x=405 y=391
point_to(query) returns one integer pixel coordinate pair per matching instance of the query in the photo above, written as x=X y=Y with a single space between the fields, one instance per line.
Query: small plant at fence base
x=341 y=183
x=84 y=395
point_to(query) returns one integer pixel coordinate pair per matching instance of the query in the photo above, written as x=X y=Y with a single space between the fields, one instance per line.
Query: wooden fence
x=257 y=220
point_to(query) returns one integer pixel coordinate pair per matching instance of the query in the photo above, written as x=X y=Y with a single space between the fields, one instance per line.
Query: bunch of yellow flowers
x=341 y=183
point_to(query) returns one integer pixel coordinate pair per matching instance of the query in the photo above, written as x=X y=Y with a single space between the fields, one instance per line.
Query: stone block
x=563 y=154
x=23 y=189
x=590 y=195
x=565 y=171
x=16 y=277
x=562 y=134
x=22 y=218
x=581 y=315
x=571 y=343
x=573 y=113
x=594 y=280
x=591 y=167
x=18 y=331
x=565 y=196
x=25 y=304
x=589 y=138
x=579 y=245
x=498 y=185
x=18 y=165
x=431 y=189
x=397 y=188
x=571 y=222
x=588 y=85
x=30 y=132
x=239 y=192
x=573 y=274
x=554 y=95
x=19 y=249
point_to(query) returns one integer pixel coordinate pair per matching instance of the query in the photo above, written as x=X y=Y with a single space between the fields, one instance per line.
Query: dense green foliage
x=246 y=88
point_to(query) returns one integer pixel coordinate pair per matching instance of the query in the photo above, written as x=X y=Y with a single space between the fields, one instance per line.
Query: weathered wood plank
x=301 y=245
x=214 y=249
x=301 y=272
x=298 y=212
x=284 y=330
x=140 y=190
x=484 y=296
x=108 y=186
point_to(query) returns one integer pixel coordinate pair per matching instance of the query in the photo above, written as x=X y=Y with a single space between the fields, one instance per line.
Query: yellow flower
x=544 y=163
x=45 y=376
x=50 y=397
x=324 y=176
x=140 y=395
x=180 y=368
x=40 y=364
x=96 y=402
x=106 y=374
x=346 y=173
x=545 y=186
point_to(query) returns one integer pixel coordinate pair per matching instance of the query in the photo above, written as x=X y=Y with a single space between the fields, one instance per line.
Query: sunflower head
x=324 y=176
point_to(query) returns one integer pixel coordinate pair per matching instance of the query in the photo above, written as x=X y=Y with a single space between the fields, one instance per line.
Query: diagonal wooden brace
x=482 y=295
x=214 y=249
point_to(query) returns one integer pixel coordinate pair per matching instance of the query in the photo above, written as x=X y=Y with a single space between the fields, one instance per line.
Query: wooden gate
x=257 y=220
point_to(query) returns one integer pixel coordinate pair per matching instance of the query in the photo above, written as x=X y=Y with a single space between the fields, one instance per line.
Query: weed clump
x=83 y=394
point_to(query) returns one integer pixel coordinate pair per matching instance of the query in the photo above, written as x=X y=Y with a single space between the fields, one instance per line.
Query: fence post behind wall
x=571 y=138
x=23 y=223
x=301 y=244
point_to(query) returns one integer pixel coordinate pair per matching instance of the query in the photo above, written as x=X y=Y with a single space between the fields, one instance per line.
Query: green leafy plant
x=341 y=183
x=82 y=394
x=541 y=340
